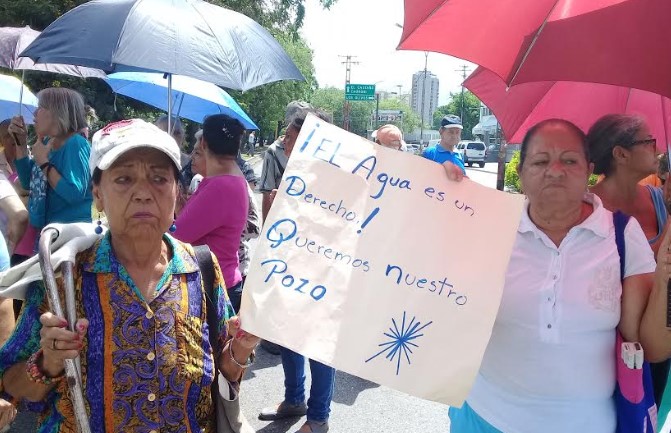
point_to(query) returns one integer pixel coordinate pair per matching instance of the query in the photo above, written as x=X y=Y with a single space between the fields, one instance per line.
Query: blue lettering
x=318 y=292
x=322 y=148
x=307 y=140
x=276 y=266
x=300 y=188
x=281 y=231
x=363 y=165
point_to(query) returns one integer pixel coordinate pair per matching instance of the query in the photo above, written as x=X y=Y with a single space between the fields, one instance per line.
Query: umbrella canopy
x=520 y=107
x=191 y=98
x=10 y=89
x=13 y=40
x=185 y=37
x=618 y=42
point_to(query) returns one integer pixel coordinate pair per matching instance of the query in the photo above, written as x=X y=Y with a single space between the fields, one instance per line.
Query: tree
x=471 y=111
x=332 y=100
x=411 y=120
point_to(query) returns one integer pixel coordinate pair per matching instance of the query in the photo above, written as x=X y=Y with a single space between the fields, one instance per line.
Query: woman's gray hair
x=67 y=107
x=609 y=131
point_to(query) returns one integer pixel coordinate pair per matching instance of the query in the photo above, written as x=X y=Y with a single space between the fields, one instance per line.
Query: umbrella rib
x=533 y=42
x=240 y=84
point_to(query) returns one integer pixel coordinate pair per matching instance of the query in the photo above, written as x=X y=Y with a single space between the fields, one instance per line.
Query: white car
x=472 y=152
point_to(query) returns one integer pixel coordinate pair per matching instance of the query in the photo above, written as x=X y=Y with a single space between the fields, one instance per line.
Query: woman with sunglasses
x=624 y=152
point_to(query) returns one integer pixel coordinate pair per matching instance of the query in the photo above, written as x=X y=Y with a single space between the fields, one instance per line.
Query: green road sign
x=360 y=92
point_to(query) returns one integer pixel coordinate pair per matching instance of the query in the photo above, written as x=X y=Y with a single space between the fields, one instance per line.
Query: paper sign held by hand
x=373 y=262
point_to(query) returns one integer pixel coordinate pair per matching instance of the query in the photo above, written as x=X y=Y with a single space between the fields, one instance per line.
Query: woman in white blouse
x=550 y=363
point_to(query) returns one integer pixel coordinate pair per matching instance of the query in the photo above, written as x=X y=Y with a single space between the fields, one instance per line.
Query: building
x=424 y=93
x=487 y=128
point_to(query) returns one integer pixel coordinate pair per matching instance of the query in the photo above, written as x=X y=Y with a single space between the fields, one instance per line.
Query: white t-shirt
x=550 y=363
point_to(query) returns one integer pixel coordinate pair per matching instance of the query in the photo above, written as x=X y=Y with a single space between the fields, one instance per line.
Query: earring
x=99 y=228
x=173 y=227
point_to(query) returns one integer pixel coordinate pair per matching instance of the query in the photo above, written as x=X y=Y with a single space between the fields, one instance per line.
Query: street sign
x=360 y=92
x=389 y=115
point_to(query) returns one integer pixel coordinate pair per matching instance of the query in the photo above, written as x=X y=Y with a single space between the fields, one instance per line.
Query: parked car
x=412 y=148
x=472 y=152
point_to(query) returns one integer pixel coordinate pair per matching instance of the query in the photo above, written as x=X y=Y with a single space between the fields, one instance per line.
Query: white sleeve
x=639 y=258
x=6 y=188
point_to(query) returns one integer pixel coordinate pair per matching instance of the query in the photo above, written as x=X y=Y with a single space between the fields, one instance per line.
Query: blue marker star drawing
x=399 y=341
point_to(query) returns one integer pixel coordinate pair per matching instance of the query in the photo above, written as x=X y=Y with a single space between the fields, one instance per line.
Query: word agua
x=327 y=150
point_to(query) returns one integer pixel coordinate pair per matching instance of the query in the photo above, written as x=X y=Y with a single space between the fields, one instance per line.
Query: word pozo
x=298 y=284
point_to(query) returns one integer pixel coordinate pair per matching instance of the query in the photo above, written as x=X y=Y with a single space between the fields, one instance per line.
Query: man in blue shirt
x=450 y=135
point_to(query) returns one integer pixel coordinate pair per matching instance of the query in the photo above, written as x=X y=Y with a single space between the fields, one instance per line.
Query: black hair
x=298 y=120
x=561 y=122
x=609 y=131
x=223 y=134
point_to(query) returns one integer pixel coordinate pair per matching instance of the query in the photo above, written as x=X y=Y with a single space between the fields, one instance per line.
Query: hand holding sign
x=370 y=261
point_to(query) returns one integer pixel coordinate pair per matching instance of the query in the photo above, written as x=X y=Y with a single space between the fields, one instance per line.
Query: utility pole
x=421 y=129
x=464 y=73
x=400 y=92
x=346 y=109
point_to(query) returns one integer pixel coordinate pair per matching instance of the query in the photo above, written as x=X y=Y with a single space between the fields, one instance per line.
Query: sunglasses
x=652 y=142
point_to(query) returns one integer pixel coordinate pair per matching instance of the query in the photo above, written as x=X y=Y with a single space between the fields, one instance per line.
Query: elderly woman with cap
x=143 y=344
x=450 y=134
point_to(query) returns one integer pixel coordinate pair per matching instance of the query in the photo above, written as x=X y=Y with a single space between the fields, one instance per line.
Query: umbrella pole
x=23 y=79
x=169 y=102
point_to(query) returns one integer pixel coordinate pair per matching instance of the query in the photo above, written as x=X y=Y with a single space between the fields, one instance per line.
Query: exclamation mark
x=367 y=220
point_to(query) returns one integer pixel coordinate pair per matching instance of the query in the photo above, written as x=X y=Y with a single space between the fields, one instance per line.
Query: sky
x=368 y=30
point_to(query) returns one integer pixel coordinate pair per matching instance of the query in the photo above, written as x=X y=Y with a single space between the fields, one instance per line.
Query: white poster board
x=373 y=262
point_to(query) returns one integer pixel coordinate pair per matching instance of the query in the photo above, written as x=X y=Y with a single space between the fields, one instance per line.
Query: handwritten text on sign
x=373 y=262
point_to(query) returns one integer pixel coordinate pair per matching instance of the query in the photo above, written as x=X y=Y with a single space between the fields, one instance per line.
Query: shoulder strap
x=204 y=258
x=660 y=208
x=620 y=221
x=280 y=167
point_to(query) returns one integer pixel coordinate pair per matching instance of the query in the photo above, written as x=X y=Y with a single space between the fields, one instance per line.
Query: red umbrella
x=620 y=42
x=520 y=107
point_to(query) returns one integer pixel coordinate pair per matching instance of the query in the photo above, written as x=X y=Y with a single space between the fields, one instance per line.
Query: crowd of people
x=143 y=337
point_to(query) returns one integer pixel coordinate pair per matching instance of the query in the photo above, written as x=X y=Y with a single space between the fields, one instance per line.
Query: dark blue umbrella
x=191 y=98
x=185 y=37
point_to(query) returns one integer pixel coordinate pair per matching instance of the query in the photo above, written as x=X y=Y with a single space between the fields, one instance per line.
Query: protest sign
x=373 y=262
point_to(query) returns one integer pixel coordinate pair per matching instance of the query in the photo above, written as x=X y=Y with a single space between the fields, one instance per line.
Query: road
x=359 y=406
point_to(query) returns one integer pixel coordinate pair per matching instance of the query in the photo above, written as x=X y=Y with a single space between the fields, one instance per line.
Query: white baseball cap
x=117 y=138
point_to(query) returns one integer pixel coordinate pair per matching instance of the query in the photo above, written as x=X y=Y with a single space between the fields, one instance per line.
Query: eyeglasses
x=651 y=142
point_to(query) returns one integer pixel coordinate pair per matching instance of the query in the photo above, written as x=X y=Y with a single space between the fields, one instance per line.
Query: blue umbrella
x=183 y=37
x=191 y=98
x=10 y=91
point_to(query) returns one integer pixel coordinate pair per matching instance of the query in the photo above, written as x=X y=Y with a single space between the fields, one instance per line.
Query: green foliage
x=471 y=114
x=332 y=100
x=512 y=179
x=411 y=120
x=362 y=114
